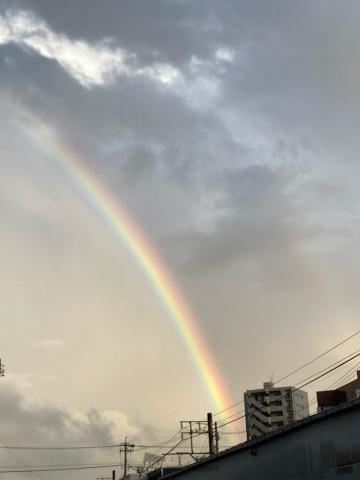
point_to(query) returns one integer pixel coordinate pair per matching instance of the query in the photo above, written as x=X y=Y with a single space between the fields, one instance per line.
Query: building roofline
x=269 y=436
x=255 y=390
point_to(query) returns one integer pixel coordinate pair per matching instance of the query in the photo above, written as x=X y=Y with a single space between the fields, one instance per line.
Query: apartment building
x=272 y=407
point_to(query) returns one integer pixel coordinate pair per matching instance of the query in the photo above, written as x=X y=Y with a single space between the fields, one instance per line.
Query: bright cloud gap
x=91 y=65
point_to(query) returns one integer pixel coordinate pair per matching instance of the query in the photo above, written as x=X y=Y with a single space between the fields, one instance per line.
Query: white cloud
x=225 y=54
x=90 y=65
x=99 y=64
x=49 y=343
x=201 y=85
x=164 y=73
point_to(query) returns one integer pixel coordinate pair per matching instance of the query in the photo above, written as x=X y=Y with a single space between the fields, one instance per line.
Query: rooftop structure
x=329 y=398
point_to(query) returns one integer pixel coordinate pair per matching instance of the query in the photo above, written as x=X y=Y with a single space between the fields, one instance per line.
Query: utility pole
x=127 y=449
x=2 y=369
x=190 y=429
x=211 y=434
x=217 y=438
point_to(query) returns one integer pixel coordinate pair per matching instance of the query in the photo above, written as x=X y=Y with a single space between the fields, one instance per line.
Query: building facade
x=270 y=408
x=330 y=398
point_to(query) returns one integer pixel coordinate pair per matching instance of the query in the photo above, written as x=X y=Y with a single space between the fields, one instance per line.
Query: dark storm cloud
x=288 y=76
x=122 y=125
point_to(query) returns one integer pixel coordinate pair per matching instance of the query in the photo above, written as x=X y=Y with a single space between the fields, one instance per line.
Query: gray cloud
x=26 y=423
x=243 y=173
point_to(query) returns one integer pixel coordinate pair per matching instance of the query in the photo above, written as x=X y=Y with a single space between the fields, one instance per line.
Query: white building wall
x=270 y=408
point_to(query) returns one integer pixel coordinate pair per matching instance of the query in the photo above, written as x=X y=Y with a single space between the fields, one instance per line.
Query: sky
x=228 y=131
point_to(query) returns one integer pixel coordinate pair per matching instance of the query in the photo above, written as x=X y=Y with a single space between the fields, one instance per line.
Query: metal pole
x=125 y=458
x=191 y=438
x=217 y=438
x=210 y=433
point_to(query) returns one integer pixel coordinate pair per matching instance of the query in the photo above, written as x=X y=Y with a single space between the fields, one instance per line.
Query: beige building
x=270 y=407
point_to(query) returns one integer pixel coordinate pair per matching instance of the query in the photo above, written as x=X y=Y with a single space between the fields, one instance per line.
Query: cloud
x=20 y=380
x=38 y=424
x=49 y=343
x=229 y=130
x=198 y=81
x=49 y=423
x=91 y=65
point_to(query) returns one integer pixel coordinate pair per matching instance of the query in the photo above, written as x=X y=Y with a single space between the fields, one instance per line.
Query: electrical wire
x=338 y=382
x=83 y=447
x=298 y=388
x=71 y=447
x=345 y=377
x=161 y=445
x=317 y=358
x=56 y=465
x=297 y=369
x=165 y=444
x=62 y=469
x=303 y=380
x=173 y=448
x=31 y=471
x=307 y=381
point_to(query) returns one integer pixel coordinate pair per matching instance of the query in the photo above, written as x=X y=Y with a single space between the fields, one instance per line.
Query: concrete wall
x=270 y=408
x=326 y=446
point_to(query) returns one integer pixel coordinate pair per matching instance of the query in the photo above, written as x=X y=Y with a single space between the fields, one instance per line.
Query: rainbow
x=128 y=233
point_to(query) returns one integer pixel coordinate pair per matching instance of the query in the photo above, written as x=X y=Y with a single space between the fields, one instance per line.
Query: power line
x=344 y=377
x=56 y=465
x=233 y=433
x=62 y=469
x=71 y=447
x=79 y=447
x=164 y=446
x=318 y=357
x=31 y=471
x=298 y=388
x=137 y=447
x=339 y=363
x=298 y=369
x=173 y=448
x=159 y=445
x=164 y=455
x=303 y=380
x=339 y=381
